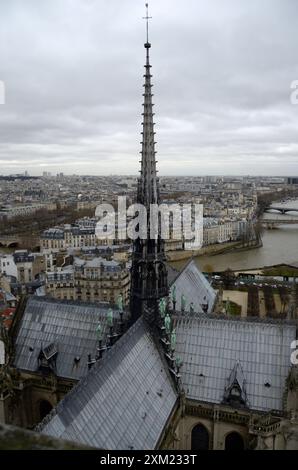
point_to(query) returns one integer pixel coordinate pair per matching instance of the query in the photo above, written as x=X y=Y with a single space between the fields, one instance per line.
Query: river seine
x=280 y=245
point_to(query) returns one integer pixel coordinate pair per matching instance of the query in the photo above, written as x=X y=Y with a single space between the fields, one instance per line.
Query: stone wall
x=13 y=438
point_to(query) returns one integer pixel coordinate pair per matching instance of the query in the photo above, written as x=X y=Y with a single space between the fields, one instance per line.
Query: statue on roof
x=178 y=361
x=110 y=318
x=168 y=324
x=99 y=332
x=120 y=302
x=162 y=307
x=173 y=339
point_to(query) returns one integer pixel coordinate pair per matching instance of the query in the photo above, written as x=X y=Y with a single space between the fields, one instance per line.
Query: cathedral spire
x=148 y=184
x=148 y=272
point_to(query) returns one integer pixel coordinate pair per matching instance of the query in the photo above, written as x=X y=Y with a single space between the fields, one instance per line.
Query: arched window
x=234 y=442
x=199 y=438
x=44 y=409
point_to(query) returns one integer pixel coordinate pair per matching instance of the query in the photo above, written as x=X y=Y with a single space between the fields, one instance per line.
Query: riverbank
x=210 y=250
x=279 y=247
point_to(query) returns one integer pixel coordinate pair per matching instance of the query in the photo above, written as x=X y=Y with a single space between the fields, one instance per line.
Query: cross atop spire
x=147 y=18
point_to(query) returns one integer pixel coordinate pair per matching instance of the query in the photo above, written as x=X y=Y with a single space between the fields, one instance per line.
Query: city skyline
x=223 y=94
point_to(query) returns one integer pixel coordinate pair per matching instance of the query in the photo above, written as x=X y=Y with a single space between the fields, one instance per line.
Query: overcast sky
x=222 y=71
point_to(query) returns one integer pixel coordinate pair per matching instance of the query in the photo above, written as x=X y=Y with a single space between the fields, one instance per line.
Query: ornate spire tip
x=147 y=18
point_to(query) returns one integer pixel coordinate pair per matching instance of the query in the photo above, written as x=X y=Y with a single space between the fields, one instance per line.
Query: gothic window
x=199 y=438
x=47 y=358
x=234 y=441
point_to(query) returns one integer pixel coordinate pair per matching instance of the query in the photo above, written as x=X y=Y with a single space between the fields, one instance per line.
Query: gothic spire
x=148 y=184
x=148 y=272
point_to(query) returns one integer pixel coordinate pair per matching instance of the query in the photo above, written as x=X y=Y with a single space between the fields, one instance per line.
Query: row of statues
x=171 y=333
x=110 y=318
x=173 y=299
x=163 y=302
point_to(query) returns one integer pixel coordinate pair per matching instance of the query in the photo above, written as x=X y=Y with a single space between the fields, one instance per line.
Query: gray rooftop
x=97 y=262
x=195 y=287
x=210 y=349
x=70 y=325
x=124 y=402
x=172 y=274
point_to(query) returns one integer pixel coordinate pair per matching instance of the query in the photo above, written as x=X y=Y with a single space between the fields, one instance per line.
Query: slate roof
x=124 y=402
x=195 y=287
x=70 y=325
x=210 y=348
x=173 y=273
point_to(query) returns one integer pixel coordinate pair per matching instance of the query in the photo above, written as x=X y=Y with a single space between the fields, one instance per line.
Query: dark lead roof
x=71 y=326
x=195 y=287
x=124 y=402
x=210 y=349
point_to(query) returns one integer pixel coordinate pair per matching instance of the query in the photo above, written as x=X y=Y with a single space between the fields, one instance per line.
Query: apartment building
x=90 y=280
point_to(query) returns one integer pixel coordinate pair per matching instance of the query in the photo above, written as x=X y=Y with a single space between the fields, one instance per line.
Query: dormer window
x=47 y=358
x=235 y=392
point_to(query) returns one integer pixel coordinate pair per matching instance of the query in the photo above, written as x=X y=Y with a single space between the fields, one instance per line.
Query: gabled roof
x=124 y=402
x=209 y=347
x=195 y=287
x=70 y=325
x=172 y=274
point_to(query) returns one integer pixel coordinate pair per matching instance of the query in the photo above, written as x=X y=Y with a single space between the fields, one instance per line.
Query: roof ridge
x=240 y=320
x=156 y=340
x=188 y=263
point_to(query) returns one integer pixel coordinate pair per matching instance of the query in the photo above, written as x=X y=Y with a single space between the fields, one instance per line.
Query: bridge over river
x=282 y=210
x=11 y=241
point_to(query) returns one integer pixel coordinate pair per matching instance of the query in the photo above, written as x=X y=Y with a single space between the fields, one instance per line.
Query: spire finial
x=147 y=18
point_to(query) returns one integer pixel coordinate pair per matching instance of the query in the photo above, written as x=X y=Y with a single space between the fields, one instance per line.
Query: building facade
x=93 y=280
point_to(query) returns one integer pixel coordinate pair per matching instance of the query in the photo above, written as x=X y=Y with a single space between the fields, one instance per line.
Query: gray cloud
x=221 y=71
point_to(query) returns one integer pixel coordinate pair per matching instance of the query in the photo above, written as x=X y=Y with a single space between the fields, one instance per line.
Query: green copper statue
x=99 y=332
x=178 y=362
x=173 y=339
x=120 y=302
x=162 y=307
x=168 y=324
x=110 y=317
